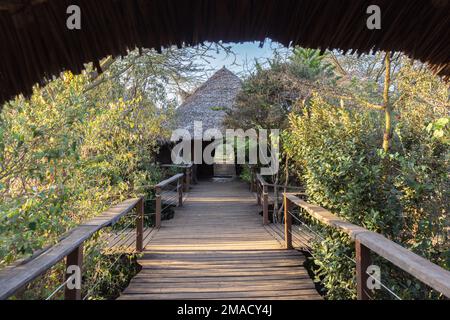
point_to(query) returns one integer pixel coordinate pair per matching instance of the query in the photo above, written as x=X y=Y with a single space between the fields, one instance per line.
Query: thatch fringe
x=35 y=43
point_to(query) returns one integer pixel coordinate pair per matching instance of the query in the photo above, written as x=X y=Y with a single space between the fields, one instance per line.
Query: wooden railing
x=262 y=197
x=267 y=193
x=12 y=279
x=164 y=185
x=189 y=171
x=367 y=241
x=15 y=278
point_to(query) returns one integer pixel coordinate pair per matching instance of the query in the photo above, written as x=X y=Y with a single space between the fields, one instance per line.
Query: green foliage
x=246 y=174
x=66 y=157
x=77 y=146
x=310 y=64
x=105 y=276
x=403 y=194
x=270 y=94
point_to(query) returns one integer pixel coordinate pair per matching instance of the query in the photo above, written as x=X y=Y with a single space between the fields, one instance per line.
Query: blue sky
x=240 y=62
x=243 y=58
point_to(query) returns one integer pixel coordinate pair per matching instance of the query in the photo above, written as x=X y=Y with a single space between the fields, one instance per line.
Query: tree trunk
x=387 y=106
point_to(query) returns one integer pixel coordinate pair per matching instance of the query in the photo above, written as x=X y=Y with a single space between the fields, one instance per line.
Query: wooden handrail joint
x=422 y=269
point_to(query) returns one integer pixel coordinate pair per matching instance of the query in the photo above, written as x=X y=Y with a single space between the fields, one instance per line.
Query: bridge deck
x=217 y=248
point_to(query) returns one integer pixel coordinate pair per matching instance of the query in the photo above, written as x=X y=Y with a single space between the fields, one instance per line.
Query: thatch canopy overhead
x=209 y=103
x=35 y=43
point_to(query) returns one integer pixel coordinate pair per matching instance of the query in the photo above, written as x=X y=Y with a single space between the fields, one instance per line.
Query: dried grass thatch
x=35 y=43
x=209 y=102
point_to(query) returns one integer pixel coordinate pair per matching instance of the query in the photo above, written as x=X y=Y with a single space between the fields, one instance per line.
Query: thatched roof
x=209 y=102
x=35 y=43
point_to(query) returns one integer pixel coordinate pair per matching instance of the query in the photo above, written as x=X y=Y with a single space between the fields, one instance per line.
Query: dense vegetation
x=77 y=146
x=85 y=142
x=332 y=145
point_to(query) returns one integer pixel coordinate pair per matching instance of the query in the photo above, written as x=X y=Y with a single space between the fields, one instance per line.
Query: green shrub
x=403 y=194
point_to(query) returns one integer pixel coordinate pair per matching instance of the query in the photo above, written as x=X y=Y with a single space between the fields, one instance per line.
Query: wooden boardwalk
x=217 y=248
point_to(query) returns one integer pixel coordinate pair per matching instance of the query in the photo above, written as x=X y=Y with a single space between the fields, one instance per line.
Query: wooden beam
x=158 y=208
x=326 y=217
x=287 y=223
x=180 y=192
x=140 y=226
x=265 y=206
x=422 y=269
x=15 y=277
x=166 y=182
x=362 y=263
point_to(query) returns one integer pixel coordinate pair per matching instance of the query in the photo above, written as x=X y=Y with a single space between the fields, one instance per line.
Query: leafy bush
x=67 y=155
x=403 y=194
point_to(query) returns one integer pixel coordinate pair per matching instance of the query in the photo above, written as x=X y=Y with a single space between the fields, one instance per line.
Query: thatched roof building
x=35 y=43
x=209 y=102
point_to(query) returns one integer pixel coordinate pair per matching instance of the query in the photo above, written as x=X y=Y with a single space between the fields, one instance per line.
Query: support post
x=194 y=174
x=362 y=263
x=287 y=223
x=265 y=206
x=258 y=193
x=252 y=181
x=140 y=225
x=180 y=192
x=158 y=208
x=187 y=185
x=75 y=258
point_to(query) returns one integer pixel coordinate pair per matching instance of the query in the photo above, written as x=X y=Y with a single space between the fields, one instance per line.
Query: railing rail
x=16 y=277
x=70 y=246
x=367 y=241
x=261 y=187
x=190 y=173
x=159 y=189
x=262 y=194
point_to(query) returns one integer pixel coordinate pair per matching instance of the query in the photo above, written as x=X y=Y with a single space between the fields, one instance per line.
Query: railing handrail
x=166 y=182
x=188 y=165
x=263 y=182
x=15 y=277
x=261 y=187
x=422 y=269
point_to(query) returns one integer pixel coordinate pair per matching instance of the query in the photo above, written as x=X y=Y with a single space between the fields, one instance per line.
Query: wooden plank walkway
x=217 y=248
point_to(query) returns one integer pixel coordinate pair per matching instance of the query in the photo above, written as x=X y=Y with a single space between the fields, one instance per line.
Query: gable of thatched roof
x=35 y=43
x=209 y=102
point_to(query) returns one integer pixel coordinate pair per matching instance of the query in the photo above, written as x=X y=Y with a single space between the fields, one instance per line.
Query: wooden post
x=194 y=174
x=252 y=181
x=362 y=263
x=158 y=208
x=187 y=186
x=140 y=225
x=287 y=223
x=75 y=258
x=265 y=206
x=258 y=193
x=180 y=192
